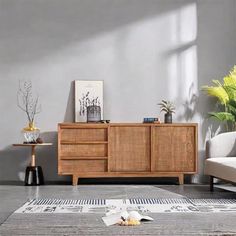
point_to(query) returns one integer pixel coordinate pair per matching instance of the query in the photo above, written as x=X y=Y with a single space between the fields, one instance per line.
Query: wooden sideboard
x=127 y=150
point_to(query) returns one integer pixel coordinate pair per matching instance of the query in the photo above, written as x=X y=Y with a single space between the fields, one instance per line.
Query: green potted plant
x=225 y=94
x=168 y=108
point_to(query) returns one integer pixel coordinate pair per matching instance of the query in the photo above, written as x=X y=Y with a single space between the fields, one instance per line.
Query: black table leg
x=34 y=176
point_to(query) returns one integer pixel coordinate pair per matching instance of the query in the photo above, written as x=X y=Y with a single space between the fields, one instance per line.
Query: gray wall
x=144 y=50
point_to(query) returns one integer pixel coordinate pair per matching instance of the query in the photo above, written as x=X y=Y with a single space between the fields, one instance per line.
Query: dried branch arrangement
x=85 y=101
x=26 y=101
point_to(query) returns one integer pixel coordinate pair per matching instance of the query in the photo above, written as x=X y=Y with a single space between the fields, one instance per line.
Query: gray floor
x=12 y=197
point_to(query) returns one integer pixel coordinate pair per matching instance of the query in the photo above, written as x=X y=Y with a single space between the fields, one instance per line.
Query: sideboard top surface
x=101 y=125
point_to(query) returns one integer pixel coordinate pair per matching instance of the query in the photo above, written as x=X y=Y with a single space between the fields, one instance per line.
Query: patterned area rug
x=143 y=205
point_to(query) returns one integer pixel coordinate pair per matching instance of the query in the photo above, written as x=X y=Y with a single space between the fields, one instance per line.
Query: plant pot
x=168 y=118
x=93 y=113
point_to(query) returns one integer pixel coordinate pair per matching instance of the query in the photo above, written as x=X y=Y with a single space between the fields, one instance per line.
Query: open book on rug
x=124 y=218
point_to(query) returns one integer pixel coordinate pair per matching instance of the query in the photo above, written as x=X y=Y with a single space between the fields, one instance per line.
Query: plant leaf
x=222 y=116
x=231 y=107
x=217 y=82
x=218 y=92
x=229 y=81
x=231 y=91
x=164 y=109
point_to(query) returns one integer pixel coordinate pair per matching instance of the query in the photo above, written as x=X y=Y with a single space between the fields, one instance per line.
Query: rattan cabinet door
x=129 y=148
x=173 y=149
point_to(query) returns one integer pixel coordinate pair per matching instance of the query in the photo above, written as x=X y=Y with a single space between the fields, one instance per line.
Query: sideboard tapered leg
x=181 y=179
x=75 y=180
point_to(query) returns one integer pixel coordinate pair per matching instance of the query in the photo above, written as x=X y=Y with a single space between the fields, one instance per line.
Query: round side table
x=33 y=173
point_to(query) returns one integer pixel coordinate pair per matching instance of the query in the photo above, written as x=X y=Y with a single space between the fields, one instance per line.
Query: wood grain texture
x=75 y=179
x=82 y=125
x=84 y=142
x=83 y=158
x=84 y=150
x=129 y=149
x=82 y=134
x=78 y=166
x=105 y=174
x=173 y=149
x=181 y=179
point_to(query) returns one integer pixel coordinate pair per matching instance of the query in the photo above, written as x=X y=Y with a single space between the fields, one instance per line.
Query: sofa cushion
x=222 y=145
x=221 y=167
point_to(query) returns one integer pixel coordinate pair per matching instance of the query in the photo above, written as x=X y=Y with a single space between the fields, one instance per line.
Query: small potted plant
x=168 y=108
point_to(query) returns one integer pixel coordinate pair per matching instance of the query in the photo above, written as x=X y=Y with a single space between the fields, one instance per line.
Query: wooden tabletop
x=31 y=144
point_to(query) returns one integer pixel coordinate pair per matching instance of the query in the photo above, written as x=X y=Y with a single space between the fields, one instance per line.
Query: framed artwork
x=88 y=101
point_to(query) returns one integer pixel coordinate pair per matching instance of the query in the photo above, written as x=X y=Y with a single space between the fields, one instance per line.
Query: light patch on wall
x=182 y=62
x=173 y=78
x=188 y=23
x=182 y=74
x=188 y=60
x=189 y=82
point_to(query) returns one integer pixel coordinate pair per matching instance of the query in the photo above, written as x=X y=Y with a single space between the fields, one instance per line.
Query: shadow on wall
x=209 y=128
x=56 y=23
x=189 y=105
x=13 y=162
x=46 y=157
x=70 y=108
x=198 y=105
x=201 y=178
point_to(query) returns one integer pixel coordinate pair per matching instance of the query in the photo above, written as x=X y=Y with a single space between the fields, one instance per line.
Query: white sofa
x=221 y=158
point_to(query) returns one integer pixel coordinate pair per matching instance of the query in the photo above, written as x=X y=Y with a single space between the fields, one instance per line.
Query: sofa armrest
x=222 y=145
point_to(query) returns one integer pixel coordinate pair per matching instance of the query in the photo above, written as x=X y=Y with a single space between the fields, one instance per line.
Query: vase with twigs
x=29 y=103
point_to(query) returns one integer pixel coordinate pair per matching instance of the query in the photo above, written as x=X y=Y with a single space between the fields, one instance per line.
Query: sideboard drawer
x=82 y=134
x=84 y=150
x=71 y=166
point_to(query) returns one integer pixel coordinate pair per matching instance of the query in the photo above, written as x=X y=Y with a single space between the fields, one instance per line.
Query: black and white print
x=88 y=97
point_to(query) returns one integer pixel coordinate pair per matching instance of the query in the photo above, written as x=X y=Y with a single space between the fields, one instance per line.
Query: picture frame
x=88 y=100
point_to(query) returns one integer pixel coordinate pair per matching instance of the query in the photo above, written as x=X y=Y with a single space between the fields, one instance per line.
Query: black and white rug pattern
x=143 y=205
